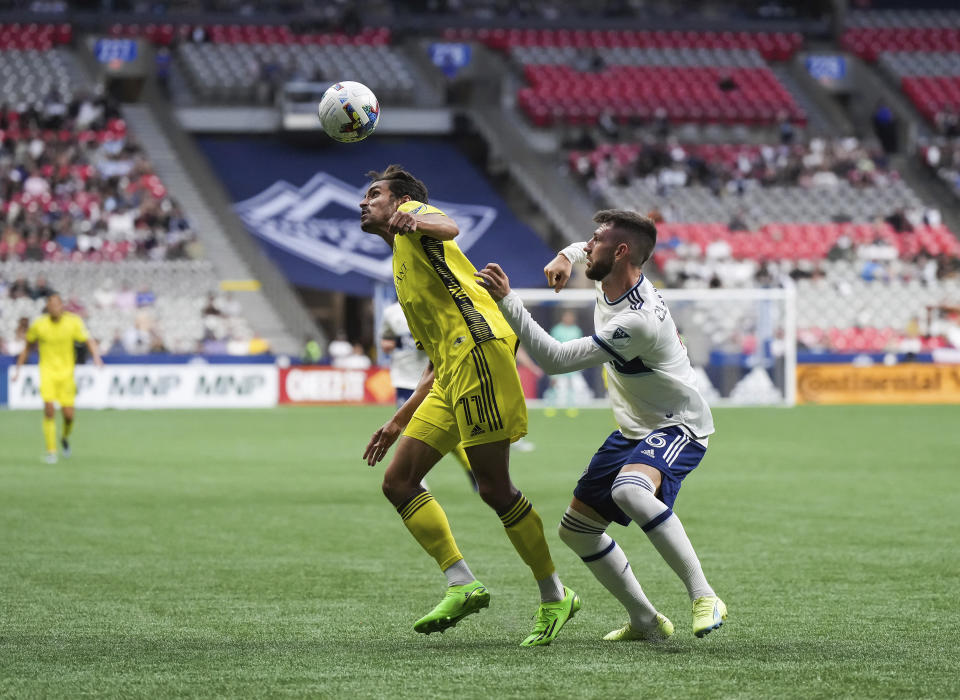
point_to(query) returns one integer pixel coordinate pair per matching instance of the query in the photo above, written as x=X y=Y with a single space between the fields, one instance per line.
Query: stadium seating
x=807 y=241
x=575 y=76
x=81 y=205
x=134 y=306
x=870 y=43
x=30 y=74
x=920 y=51
x=687 y=94
x=772 y=46
x=822 y=182
x=36 y=37
x=104 y=203
x=245 y=63
x=235 y=72
x=787 y=201
x=931 y=79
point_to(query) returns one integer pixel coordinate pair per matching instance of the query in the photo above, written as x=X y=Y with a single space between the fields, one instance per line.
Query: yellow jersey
x=447 y=311
x=55 y=341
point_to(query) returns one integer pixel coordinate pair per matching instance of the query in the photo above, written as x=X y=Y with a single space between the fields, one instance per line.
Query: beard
x=598 y=269
x=368 y=225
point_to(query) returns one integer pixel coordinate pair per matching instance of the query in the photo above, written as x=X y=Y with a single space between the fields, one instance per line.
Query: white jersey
x=651 y=382
x=407 y=362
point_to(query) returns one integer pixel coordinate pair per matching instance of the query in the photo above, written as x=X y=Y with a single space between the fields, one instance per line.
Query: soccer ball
x=349 y=111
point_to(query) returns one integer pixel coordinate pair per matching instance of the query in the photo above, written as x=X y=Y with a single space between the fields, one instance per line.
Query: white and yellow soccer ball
x=349 y=111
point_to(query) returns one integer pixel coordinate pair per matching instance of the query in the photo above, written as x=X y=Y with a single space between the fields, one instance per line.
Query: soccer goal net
x=742 y=344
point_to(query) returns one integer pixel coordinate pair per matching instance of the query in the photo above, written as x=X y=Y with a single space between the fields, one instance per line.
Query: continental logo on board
x=904 y=383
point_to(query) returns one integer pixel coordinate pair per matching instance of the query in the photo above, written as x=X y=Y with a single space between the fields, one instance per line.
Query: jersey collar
x=625 y=294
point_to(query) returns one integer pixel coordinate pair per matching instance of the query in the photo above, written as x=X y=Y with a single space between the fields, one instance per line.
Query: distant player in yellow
x=470 y=393
x=54 y=335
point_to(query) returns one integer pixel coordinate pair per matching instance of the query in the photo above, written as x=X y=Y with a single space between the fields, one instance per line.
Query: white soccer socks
x=603 y=556
x=459 y=574
x=633 y=492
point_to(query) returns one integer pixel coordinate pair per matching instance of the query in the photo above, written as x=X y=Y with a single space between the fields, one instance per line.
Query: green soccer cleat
x=656 y=631
x=457 y=603
x=709 y=612
x=551 y=617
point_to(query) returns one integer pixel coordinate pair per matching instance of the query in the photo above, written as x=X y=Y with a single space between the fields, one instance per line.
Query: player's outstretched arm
x=559 y=269
x=553 y=356
x=388 y=434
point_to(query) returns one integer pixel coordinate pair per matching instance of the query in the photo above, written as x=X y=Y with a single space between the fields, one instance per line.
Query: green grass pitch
x=250 y=553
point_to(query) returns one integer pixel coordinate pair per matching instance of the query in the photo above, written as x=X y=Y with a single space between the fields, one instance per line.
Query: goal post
x=742 y=344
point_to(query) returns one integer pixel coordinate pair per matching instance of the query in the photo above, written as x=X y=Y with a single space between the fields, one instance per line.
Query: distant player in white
x=407 y=363
x=664 y=421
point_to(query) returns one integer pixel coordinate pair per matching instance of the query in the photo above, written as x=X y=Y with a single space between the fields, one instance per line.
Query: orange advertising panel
x=312 y=385
x=904 y=383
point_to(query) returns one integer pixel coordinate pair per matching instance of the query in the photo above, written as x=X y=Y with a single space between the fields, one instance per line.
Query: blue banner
x=107 y=50
x=826 y=67
x=450 y=57
x=302 y=205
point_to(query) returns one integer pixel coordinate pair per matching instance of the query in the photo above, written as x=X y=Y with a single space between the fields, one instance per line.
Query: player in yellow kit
x=470 y=393
x=54 y=335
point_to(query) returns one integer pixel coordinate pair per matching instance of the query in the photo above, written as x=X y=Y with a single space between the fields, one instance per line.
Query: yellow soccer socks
x=50 y=434
x=525 y=530
x=428 y=524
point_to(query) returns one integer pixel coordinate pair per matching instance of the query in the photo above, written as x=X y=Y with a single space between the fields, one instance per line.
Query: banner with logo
x=894 y=384
x=157 y=386
x=318 y=385
x=301 y=201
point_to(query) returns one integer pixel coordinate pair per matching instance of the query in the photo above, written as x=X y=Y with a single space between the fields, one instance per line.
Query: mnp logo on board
x=157 y=386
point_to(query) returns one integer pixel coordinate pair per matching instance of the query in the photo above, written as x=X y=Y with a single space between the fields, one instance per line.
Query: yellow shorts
x=480 y=401
x=58 y=389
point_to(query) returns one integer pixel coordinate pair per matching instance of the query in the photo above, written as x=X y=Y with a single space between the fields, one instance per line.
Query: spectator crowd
x=728 y=169
x=74 y=184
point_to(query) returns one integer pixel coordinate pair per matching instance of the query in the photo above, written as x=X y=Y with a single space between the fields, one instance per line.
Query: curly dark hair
x=401 y=182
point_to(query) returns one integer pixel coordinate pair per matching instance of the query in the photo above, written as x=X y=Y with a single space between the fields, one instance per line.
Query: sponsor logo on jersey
x=459 y=340
x=648 y=453
x=477 y=430
x=319 y=222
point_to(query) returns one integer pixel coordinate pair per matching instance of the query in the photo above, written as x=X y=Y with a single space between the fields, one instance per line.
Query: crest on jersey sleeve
x=320 y=223
x=620 y=338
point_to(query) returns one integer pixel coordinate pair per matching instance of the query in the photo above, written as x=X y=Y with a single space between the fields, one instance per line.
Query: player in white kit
x=407 y=363
x=664 y=421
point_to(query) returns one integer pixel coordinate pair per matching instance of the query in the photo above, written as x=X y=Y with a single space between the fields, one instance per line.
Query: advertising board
x=157 y=386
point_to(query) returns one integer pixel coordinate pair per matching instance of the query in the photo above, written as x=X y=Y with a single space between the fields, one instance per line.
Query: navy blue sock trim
x=569 y=521
x=600 y=555
x=576 y=528
x=657 y=520
x=628 y=480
